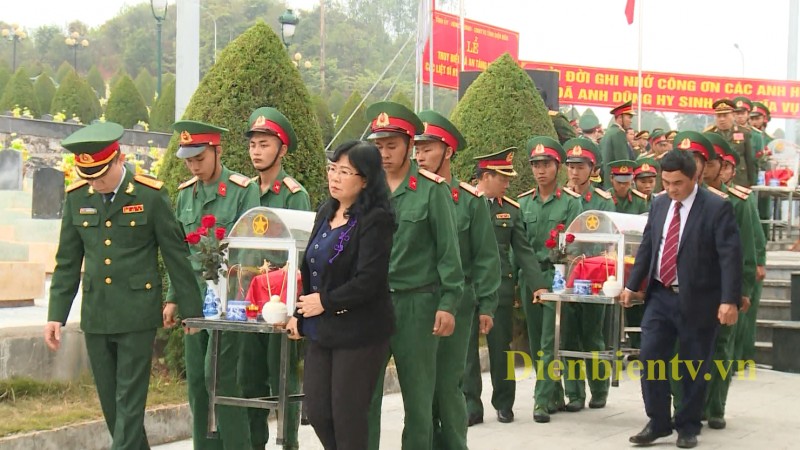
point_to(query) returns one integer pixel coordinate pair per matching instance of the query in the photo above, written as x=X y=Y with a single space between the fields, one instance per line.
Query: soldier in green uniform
x=438 y=144
x=271 y=138
x=115 y=223
x=643 y=138
x=425 y=276
x=739 y=140
x=591 y=128
x=227 y=195
x=573 y=116
x=564 y=129
x=543 y=209
x=759 y=117
x=583 y=323
x=670 y=136
x=645 y=176
x=741 y=115
x=614 y=145
x=626 y=199
x=494 y=173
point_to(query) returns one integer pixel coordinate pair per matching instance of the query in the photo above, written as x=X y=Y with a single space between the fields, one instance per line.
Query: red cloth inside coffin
x=597 y=269
x=782 y=175
x=260 y=292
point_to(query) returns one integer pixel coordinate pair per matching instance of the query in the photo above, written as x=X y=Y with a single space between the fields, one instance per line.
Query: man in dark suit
x=691 y=259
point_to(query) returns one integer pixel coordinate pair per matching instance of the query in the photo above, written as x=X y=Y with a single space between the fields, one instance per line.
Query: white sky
x=682 y=36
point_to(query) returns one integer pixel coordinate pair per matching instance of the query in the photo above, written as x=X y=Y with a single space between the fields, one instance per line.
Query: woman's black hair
x=679 y=161
x=366 y=159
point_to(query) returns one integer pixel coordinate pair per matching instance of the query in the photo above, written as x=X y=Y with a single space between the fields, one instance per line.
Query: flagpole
x=461 y=52
x=430 y=55
x=639 y=98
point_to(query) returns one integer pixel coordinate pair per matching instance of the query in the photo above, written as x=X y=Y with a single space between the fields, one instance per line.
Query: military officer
x=436 y=146
x=494 y=173
x=227 y=195
x=741 y=114
x=583 y=323
x=115 y=223
x=645 y=176
x=670 y=136
x=626 y=199
x=643 y=139
x=759 y=117
x=738 y=138
x=271 y=138
x=614 y=146
x=425 y=275
x=573 y=116
x=543 y=209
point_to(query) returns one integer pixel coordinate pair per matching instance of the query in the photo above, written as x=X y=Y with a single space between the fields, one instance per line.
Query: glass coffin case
x=600 y=254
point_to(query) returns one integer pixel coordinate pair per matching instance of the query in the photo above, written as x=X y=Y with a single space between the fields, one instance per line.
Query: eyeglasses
x=345 y=172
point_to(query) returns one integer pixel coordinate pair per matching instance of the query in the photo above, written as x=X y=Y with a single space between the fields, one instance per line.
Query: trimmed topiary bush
x=162 y=116
x=324 y=118
x=501 y=109
x=96 y=82
x=5 y=76
x=75 y=97
x=63 y=70
x=355 y=128
x=146 y=85
x=19 y=92
x=253 y=71
x=44 y=89
x=125 y=104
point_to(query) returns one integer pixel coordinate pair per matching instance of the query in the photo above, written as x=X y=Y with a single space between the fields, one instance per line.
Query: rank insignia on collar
x=222 y=189
x=412 y=183
x=276 y=187
x=455 y=194
x=129 y=189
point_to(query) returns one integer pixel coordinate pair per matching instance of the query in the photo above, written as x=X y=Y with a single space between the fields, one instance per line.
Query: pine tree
x=355 y=128
x=75 y=97
x=501 y=109
x=162 y=116
x=45 y=90
x=146 y=85
x=96 y=82
x=19 y=92
x=63 y=70
x=253 y=71
x=125 y=104
x=324 y=118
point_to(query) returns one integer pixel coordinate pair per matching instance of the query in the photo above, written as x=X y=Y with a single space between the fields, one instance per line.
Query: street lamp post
x=159 y=8
x=741 y=53
x=74 y=41
x=13 y=34
x=288 y=23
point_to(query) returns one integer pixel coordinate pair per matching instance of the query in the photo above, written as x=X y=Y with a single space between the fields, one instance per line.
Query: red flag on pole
x=629 y=6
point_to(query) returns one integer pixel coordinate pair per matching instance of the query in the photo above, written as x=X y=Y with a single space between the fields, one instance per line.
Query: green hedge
x=125 y=104
x=96 y=82
x=324 y=118
x=45 y=90
x=163 y=113
x=146 y=85
x=19 y=92
x=74 y=96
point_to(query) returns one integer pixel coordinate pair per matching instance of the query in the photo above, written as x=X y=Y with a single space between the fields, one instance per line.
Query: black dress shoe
x=686 y=440
x=540 y=415
x=474 y=419
x=505 y=416
x=648 y=435
x=574 y=406
x=597 y=402
x=716 y=423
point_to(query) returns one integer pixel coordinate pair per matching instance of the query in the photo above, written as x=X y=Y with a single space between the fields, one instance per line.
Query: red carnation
x=193 y=238
x=570 y=238
x=553 y=234
x=208 y=221
x=219 y=233
x=202 y=231
x=560 y=227
x=550 y=243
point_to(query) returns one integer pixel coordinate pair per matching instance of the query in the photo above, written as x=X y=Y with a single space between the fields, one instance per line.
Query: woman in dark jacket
x=347 y=313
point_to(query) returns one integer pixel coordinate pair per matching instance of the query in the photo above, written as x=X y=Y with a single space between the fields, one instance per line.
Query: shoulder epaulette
x=149 y=182
x=239 y=180
x=76 y=185
x=717 y=191
x=738 y=194
x=188 y=183
x=639 y=194
x=254 y=179
x=511 y=202
x=741 y=188
x=710 y=128
x=470 y=188
x=571 y=192
x=526 y=193
x=552 y=113
x=602 y=193
x=431 y=176
x=293 y=185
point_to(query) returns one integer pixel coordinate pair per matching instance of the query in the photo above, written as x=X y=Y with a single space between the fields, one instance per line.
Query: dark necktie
x=108 y=197
x=669 y=257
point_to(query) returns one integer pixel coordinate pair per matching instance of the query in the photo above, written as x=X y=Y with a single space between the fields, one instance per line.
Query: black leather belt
x=673 y=288
x=427 y=289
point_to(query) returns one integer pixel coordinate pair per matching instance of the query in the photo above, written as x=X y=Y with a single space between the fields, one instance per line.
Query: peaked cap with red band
x=271 y=121
x=645 y=167
x=722 y=148
x=392 y=119
x=694 y=141
x=541 y=148
x=760 y=108
x=94 y=146
x=194 y=136
x=582 y=150
x=437 y=128
x=501 y=162
x=625 y=108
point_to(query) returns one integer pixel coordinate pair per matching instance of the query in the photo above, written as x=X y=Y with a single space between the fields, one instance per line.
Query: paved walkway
x=762 y=414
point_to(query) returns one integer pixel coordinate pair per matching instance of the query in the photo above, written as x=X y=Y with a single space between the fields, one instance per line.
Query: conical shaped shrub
x=162 y=116
x=146 y=85
x=355 y=128
x=63 y=70
x=253 y=71
x=19 y=92
x=75 y=97
x=96 y=82
x=125 y=104
x=45 y=90
x=501 y=109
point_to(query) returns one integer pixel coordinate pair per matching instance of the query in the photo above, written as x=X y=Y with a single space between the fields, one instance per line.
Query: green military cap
x=742 y=104
x=723 y=106
x=269 y=120
x=94 y=146
x=759 y=109
x=437 y=128
x=645 y=167
x=670 y=134
x=588 y=123
x=392 y=119
x=195 y=136
x=722 y=148
x=622 y=170
x=501 y=162
x=658 y=135
x=694 y=141
x=644 y=134
x=625 y=108
x=572 y=115
x=582 y=150
x=541 y=148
